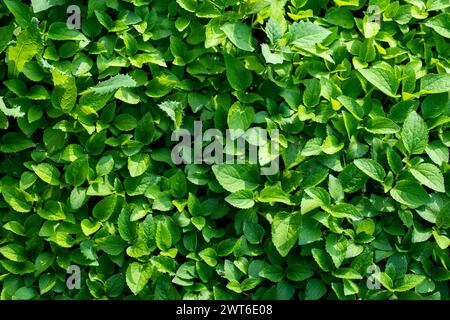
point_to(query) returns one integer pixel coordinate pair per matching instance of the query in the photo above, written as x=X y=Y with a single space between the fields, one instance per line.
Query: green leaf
x=42 y=5
x=174 y=110
x=161 y=85
x=43 y=261
x=115 y=285
x=61 y=31
x=336 y=246
x=14 y=252
x=242 y=199
x=347 y=273
x=54 y=140
x=285 y=231
x=322 y=259
x=236 y=177
x=253 y=232
x=371 y=28
x=16 y=198
x=332 y=145
x=346 y=2
x=138 y=164
x=414 y=134
x=240 y=117
x=435 y=83
x=443 y=218
x=437 y=4
x=106 y=207
x=352 y=179
x=89 y=227
x=372 y=168
x=306 y=34
x=153 y=56
x=269 y=56
x=127 y=228
x=234 y=286
x=249 y=284
x=409 y=282
x=238 y=77
x=188 y=5
x=111 y=245
x=21 y=12
x=47 y=173
x=239 y=34
x=46 y=283
x=112 y=84
x=311 y=95
x=62 y=239
x=315 y=289
x=315 y=197
x=383 y=79
x=442 y=241
x=440 y=24
x=346 y=210
x=354 y=97
x=272 y=273
x=274 y=193
x=64 y=96
x=13 y=142
x=352 y=106
x=409 y=193
x=15 y=227
x=28 y=45
x=434 y=105
x=382 y=125
x=209 y=255
x=77 y=172
x=299 y=271
x=25 y=293
x=384 y=280
x=275 y=28
x=52 y=211
x=7 y=32
x=341 y=17
x=178 y=184
x=145 y=129
x=309 y=232
x=164 y=239
x=437 y=152
x=105 y=165
x=335 y=188
x=137 y=276
x=429 y=175
x=14 y=112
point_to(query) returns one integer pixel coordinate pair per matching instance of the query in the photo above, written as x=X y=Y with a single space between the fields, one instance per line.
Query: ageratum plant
x=93 y=206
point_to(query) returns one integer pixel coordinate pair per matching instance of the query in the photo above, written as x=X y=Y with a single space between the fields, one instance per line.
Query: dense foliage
x=359 y=91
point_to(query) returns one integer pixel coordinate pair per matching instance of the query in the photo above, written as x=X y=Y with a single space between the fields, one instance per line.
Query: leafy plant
x=358 y=91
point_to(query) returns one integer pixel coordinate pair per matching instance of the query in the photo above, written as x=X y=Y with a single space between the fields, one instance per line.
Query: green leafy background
x=86 y=118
